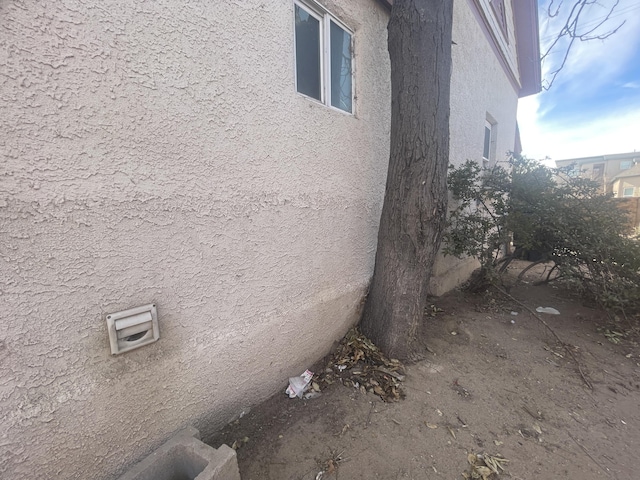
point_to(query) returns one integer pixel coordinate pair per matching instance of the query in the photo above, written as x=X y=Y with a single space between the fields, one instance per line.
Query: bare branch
x=572 y=30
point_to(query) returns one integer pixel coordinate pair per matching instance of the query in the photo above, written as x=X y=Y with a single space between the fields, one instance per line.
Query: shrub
x=549 y=212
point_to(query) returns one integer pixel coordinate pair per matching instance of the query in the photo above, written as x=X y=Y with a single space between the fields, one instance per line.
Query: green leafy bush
x=552 y=214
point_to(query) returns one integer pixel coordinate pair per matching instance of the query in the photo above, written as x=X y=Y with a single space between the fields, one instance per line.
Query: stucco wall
x=619 y=185
x=157 y=152
x=480 y=88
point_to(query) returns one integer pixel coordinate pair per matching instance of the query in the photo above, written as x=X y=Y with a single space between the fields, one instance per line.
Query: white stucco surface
x=158 y=152
x=480 y=89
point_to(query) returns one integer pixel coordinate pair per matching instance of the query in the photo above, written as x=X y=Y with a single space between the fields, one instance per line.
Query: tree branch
x=571 y=30
x=555 y=335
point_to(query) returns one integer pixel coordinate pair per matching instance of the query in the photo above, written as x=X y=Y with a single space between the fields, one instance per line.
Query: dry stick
x=536 y=417
x=589 y=455
x=566 y=348
x=368 y=421
x=521 y=276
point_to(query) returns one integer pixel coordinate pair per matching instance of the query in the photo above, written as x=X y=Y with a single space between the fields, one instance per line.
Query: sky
x=593 y=106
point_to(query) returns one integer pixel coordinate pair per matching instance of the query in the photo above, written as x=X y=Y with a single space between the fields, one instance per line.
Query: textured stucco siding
x=480 y=89
x=157 y=152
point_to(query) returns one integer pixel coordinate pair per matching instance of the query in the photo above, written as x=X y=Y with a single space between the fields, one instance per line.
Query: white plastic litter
x=299 y=385
x=549 y=310
x=514 y=314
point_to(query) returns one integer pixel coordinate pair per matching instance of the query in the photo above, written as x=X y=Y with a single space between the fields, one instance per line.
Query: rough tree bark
x=415 y=203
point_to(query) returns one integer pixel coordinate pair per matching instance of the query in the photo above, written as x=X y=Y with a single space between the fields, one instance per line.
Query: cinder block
x=185 y=457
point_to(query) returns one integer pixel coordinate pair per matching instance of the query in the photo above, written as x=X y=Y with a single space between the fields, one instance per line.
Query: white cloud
x=600 y=60
x=612 y=132
x=591 y=68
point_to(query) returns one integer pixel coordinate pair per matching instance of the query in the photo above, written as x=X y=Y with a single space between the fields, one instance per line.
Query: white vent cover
x=133 y=328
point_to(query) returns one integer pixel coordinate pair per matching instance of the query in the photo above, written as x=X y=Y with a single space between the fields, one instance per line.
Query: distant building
x=618 y=174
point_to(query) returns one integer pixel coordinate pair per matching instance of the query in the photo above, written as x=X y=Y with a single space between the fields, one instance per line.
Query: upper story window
x=597 y=172
x=324 y=63
x=625 y=165
x=501 y=15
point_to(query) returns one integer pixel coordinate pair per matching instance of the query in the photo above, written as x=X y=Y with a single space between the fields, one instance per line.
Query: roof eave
x=525 y=14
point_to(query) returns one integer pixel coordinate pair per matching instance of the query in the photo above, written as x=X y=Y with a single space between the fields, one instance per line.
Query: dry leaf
x=359 y=363
x=483 y=466
x=481 y=471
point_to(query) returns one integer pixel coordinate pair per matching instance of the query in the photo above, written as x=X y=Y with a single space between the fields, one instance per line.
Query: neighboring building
x=225 y=161
x=617 y=174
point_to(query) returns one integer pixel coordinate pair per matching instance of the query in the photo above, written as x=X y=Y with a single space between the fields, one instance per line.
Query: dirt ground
x=490 y=383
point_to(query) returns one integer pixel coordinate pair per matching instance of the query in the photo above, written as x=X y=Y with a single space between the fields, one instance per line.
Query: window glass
x=597 y=171
x=340 y=68
x=324 y=56
x=625 y=165
x=308 y=70
x=487 y=142
x=498 y=9
x=628 y=192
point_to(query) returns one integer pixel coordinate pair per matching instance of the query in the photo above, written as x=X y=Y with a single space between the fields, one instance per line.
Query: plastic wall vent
x=133 y=328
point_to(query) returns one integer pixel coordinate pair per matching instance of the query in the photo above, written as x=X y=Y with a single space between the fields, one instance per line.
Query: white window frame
x=626 y=164
x=624 y=191
x=325 y=17
x=488 y=125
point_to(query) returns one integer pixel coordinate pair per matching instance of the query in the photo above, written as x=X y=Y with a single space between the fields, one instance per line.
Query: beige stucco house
x=617 y=174
x=223 y=161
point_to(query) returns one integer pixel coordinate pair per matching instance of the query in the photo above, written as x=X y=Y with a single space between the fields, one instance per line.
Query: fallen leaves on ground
x=240 y=443
x=331 y=465
x=482 y=466
x=358 y=363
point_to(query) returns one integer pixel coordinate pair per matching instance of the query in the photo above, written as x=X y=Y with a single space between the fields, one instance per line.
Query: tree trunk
x=415 y=202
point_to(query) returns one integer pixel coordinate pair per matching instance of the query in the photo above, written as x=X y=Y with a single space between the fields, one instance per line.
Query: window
x=628 y=192
x=625 y=165
x=487 y=152
x=324 y=69
x=501 y=16
x=573 y=170
x=597 y=172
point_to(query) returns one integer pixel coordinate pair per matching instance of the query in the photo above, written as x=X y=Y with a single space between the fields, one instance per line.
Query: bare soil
x=489 y=382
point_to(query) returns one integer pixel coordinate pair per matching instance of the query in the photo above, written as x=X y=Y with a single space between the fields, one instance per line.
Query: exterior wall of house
x=480 y=90
x=621 y=187
x=158 y=152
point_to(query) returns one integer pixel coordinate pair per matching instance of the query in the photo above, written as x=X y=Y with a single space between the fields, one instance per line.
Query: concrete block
x=185 y=457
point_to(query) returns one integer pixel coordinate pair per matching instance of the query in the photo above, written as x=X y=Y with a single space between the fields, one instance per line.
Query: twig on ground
x=368 y=421
x=535 y=417
x=546 y=325
x=589 y=455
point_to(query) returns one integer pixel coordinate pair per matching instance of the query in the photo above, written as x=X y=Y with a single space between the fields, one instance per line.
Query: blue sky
x=593 y=107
